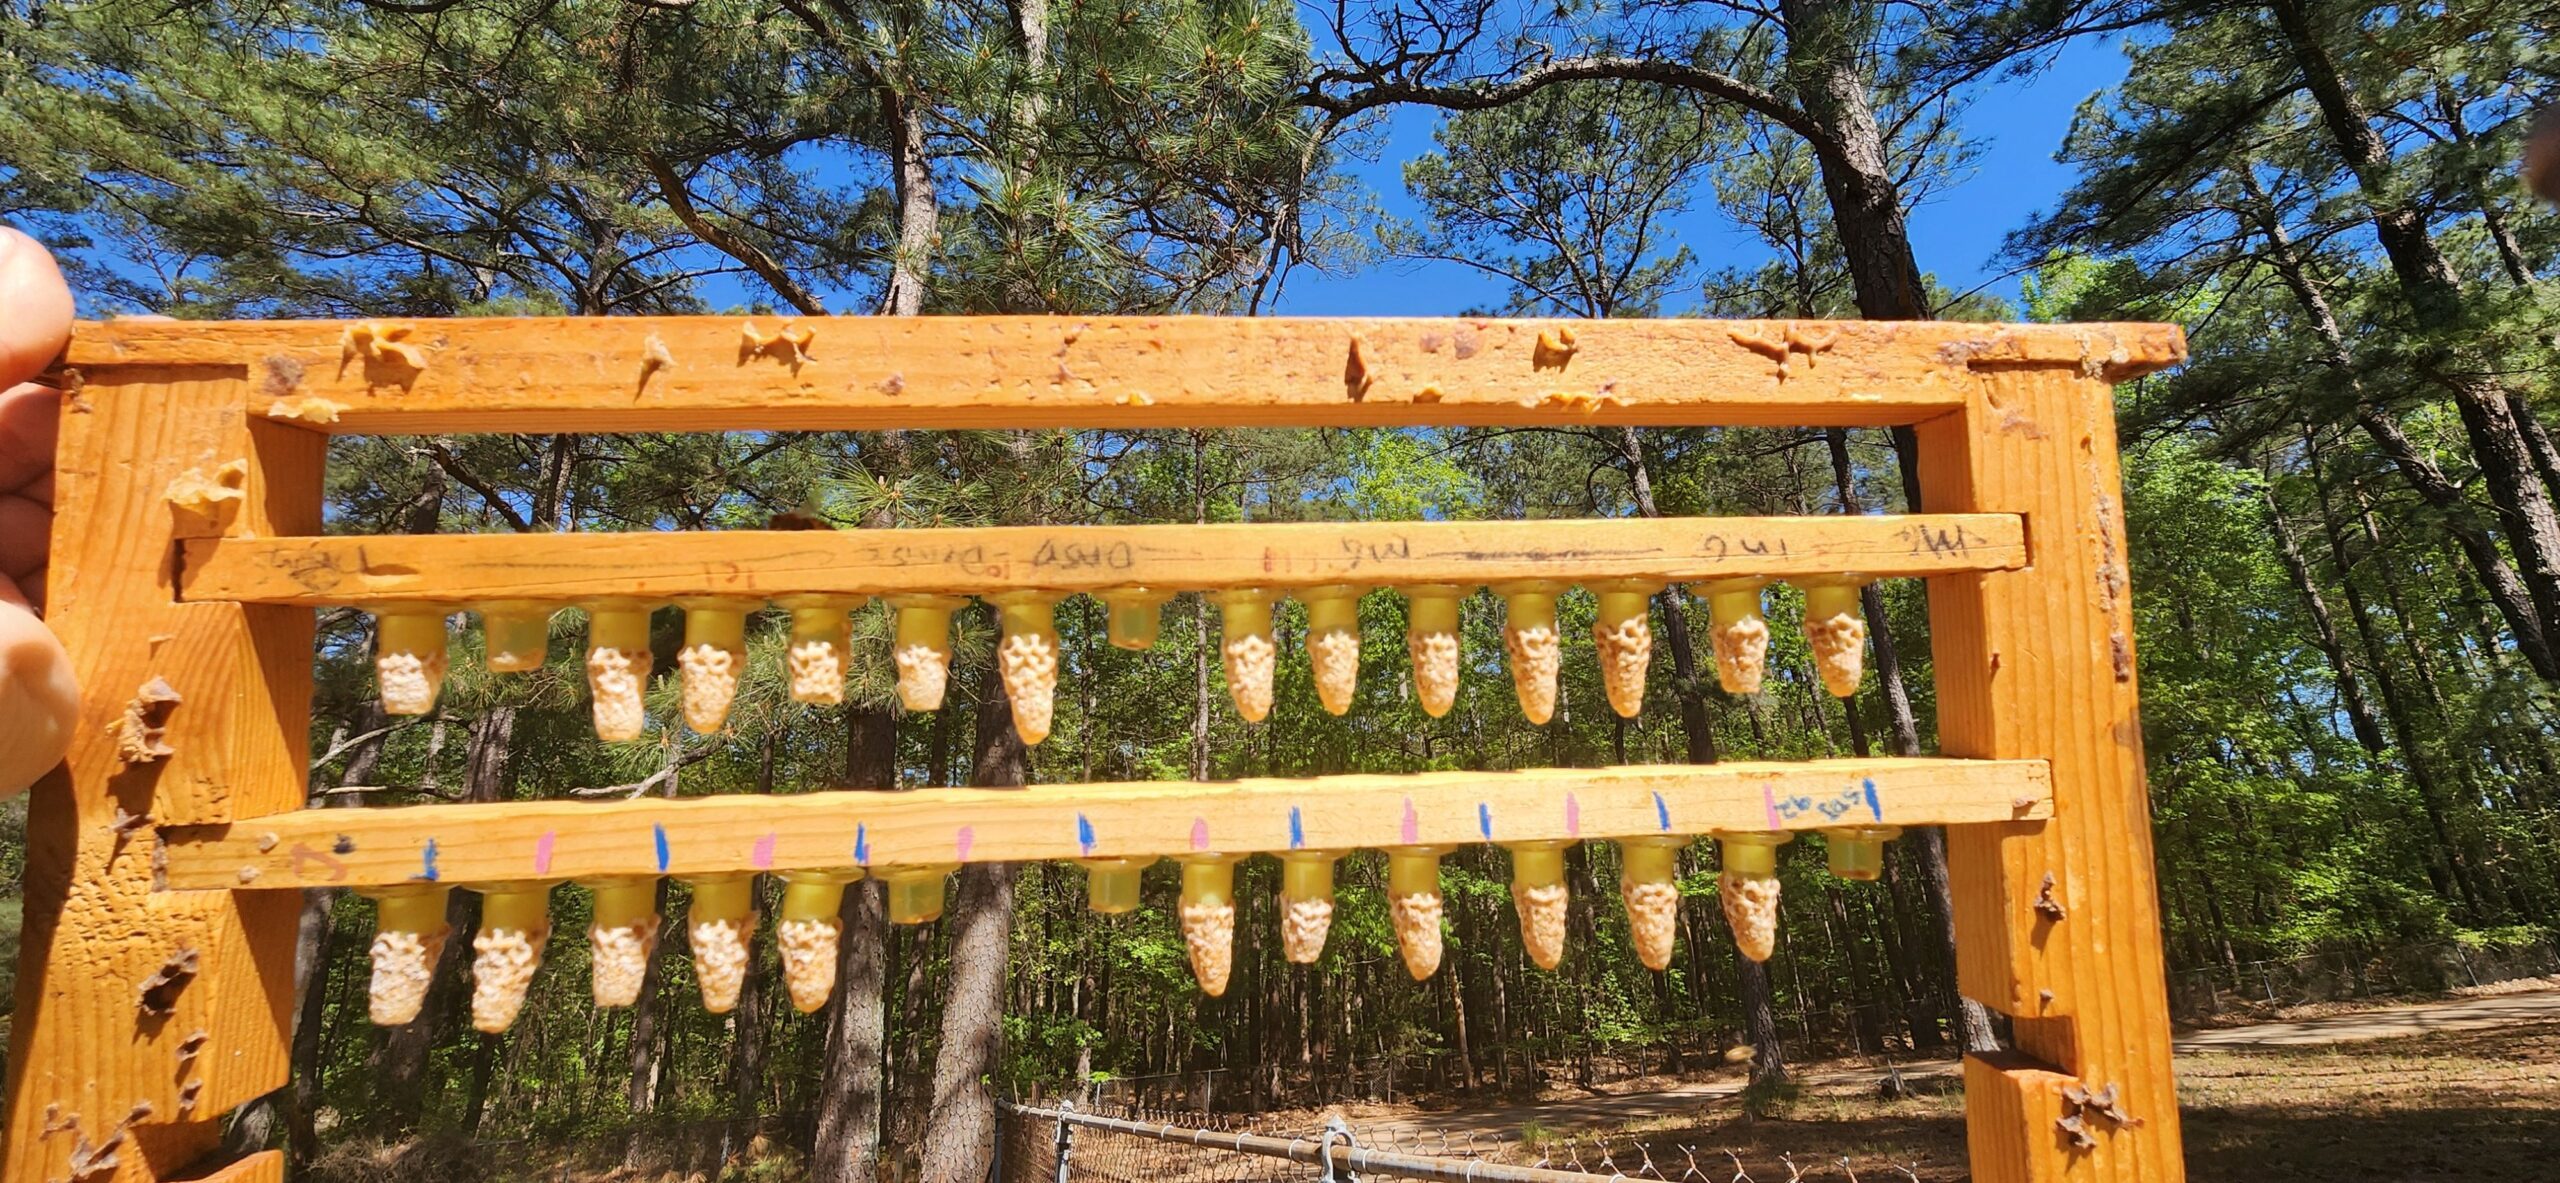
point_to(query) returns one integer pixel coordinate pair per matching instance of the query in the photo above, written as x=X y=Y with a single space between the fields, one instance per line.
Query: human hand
x=2542 y=154
x=39 y=705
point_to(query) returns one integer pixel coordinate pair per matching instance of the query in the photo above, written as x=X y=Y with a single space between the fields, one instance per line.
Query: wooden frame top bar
x=730 y=373
x=759 y=564
x=653 y=836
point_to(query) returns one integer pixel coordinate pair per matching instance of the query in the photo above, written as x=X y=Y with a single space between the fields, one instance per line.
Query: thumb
x=36 y=696
x=35 y=308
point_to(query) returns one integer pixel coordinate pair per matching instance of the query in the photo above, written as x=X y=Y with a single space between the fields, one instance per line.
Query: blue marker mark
x=1084 y=833
x=1484 y=820
x=1662 y=813
x=662 y=848
x=1297 y=830
x=427 y=869
x=1874 y=806
x=861 y=845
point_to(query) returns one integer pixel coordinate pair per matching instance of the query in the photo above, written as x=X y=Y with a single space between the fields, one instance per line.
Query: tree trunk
x=1825 y=53
x=2360 y=716
x=2413 y=757
x=2434 y=292
x=312 y=950
x=1694 y=727
x=2461 y=518
x=401 y=1060
x=1768 y=1058
x=960 y=1130
x=1924 y=846
x=847 y=1146
x=640 y=1090
x=918 y=216
x=1199 y=616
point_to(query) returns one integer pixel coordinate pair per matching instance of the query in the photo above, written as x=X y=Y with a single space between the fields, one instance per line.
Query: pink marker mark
x=1769 y=801
x=763 y=854
x=1412 y=825
x=1572 y=816
x=1199 y=833
x=542 y=851
x=966 y=838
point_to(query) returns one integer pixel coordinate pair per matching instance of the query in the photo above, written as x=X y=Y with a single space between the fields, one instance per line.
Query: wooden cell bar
x=575 y=839
x=726 y=373
x=756 y=563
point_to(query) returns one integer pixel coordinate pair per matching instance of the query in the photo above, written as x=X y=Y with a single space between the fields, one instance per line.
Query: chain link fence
x=2278 y=983
x=1061 y=1142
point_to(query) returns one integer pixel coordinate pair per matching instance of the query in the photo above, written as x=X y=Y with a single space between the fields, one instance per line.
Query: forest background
x=2346 y=553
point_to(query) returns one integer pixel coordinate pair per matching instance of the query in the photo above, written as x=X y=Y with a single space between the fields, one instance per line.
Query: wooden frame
x=155 y=983
x=464 y=569
x=926 y=827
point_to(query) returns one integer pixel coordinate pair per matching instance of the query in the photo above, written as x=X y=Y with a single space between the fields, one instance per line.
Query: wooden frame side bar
x=88 y=1040
x=721 y=373
x=760 y=564
x=649 y=836
x=2057 y=923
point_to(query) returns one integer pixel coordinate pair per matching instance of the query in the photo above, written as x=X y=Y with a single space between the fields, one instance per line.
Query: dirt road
x=2458 y=1014
x=1506 y=1122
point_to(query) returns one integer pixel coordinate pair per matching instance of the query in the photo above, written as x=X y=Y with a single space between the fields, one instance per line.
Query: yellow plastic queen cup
x=516 y=634
x=721 y=926
x=1027 y=659
x=1306 y=903
x=409 y=932
x=916 y=893
x=1534 y=644
x=1112 y=885
x=1431 y=639
x=923 y=648
x=713 y=660
x=821 y=651
x=1738 y=632
x=1648 y=880
x=1135 y=615
x=1414 y=905
x=618 y=666
x=409 y=658
x=811 y=933
x=1209 y=918
x=1857 y=852
x=1539 y=895
x=1333 y=643
x=515 y=926
x=1248 y=650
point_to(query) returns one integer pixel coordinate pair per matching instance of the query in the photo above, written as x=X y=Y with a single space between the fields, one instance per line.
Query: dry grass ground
x=2465 y=1105
x=2459 y=1106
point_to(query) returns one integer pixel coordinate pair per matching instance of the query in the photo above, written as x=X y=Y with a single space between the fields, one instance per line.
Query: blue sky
x=2019 y=124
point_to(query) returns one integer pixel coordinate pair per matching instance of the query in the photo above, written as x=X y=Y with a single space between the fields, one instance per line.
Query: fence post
x=1335 y=1131
x=1066 y=1138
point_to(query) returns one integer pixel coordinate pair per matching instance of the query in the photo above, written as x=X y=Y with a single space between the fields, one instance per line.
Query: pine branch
x=1379 y=91
x=680 y=203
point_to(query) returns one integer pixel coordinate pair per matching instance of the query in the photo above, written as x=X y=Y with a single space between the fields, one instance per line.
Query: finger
x=35 y=308
x=26 y=530
x=30 y=419
x=2542 y=154
x=37 y=697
